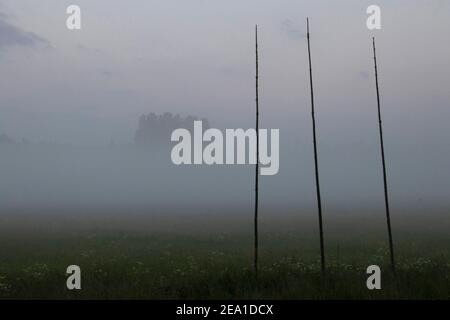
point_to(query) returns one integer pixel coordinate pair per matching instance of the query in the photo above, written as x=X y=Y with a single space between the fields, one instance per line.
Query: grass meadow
x=207 y=256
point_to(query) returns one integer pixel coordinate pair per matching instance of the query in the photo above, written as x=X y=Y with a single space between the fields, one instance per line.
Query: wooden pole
x=319 y=202
x=386 y=197
x=257 y=156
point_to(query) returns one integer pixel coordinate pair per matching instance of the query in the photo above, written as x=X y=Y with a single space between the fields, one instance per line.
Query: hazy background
x=76 y=97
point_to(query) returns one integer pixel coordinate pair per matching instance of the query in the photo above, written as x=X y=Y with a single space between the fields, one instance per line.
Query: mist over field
x=133 y=177
x=86 y=176
x=70 y=103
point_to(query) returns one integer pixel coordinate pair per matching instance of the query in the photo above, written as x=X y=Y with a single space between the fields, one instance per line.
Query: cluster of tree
x=156 y=129
x=5 y=139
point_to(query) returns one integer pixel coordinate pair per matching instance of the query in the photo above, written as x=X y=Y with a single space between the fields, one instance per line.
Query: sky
x=89 y=87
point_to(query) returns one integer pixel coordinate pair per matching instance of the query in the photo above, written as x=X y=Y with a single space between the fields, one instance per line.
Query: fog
x=132 y=177
x=70 y=103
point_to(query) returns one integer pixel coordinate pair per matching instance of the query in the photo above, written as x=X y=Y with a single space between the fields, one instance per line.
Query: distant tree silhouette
x=156 y=129
x=5 y=139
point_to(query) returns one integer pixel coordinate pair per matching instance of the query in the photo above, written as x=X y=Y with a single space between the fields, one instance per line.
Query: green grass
x=211 y=258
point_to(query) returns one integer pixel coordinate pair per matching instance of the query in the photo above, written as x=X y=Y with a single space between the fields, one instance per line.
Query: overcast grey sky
x=196 y=57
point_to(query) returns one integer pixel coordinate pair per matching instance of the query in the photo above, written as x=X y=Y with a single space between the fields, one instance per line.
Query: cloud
x=11 y=35
x=292 y=31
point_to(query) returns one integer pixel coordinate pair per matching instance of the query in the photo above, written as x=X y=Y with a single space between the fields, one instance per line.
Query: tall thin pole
x=319 y=202
x=386 y=198
x=257 y=155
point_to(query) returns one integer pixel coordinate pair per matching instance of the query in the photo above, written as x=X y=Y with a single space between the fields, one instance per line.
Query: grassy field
x=142 y=256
